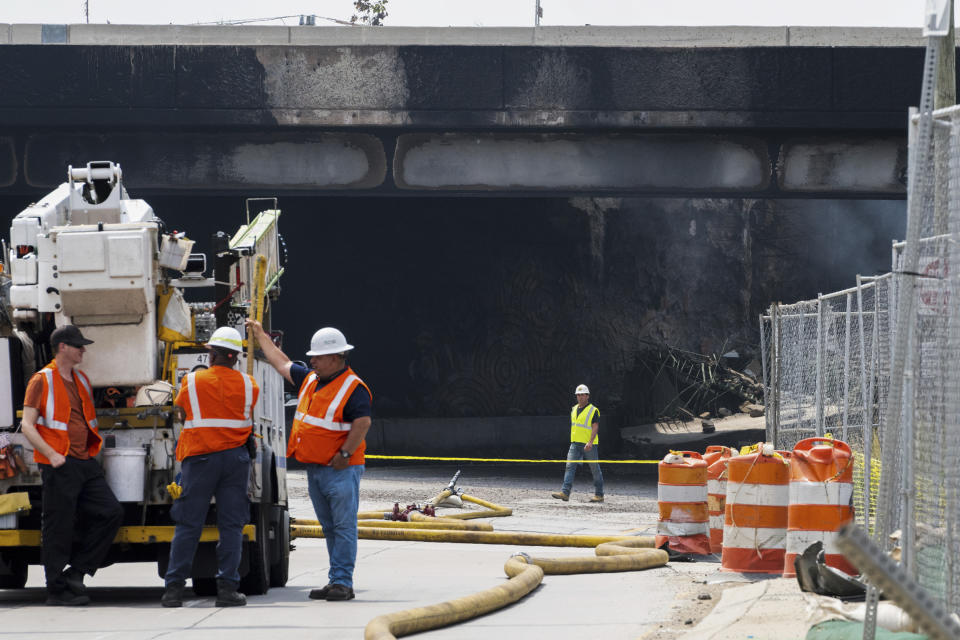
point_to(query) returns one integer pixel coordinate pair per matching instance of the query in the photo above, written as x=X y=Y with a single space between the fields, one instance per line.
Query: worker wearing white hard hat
x=328 y=431
x=584 y=427
x=215 y=406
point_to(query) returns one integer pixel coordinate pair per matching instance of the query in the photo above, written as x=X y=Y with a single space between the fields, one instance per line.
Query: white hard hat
x=328 y=340
x=228 y=338
x=582 y=389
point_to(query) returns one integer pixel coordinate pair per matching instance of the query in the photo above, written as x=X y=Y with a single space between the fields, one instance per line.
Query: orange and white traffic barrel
x=755 y=514
x=716 y=458
x=821 y=500
x=682 y=497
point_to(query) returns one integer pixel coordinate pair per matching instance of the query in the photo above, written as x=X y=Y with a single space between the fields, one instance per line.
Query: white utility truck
x=88 y=255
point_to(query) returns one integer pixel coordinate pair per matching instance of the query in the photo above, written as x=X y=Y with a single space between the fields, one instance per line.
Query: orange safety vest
x=318 y=430
x=55 y=412
x=219 y=405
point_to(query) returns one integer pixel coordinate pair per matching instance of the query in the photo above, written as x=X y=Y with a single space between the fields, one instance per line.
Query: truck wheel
x=257 y=580
x=16 y=576
x=280 y=570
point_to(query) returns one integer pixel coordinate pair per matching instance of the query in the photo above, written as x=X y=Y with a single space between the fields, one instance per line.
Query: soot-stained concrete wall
x=498 y=307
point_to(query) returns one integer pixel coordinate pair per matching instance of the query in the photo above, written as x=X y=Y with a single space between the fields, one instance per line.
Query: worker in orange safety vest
x=328 y=431
x=60 y=421
x=216 y=408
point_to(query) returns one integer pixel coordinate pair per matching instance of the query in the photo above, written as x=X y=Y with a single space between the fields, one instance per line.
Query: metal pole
x=764 y=354
x=846 y=368
x=867 y=421
x=802 y=386
x=821 y=339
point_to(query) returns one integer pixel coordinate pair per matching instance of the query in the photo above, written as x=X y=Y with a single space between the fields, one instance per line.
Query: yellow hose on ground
x=475 y=537
x=402 y=623
x=493 y=510
x=440 y=497
x=372 y=515
x=525 y=574
x=416 y=516
x=392 y=524
x=412 y=516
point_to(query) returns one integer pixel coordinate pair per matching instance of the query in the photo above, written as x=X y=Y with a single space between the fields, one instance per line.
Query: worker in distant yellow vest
x=584 y=426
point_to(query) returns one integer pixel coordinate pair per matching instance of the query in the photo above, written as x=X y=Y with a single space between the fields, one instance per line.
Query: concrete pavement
x=658 y=604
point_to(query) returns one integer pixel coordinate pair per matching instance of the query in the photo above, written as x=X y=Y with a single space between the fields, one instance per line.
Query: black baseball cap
x=69 y=334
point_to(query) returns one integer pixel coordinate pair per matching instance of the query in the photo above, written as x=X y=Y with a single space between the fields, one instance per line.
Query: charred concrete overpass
x=506 y=212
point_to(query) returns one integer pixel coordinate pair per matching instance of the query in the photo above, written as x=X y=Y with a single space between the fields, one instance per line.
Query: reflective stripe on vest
x=48 y=420
x=199 y=421
x=55 y=432
x=581 y=426
x=326 y=422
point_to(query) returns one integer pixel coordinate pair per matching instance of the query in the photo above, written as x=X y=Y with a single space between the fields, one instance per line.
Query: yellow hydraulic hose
x=476 y=537
x=440 y=497
x=412 y=516
x=493 y=510
x=525 y=574
x=402 y=623
x=416 y=516
x=372 y=515
x=392 y=524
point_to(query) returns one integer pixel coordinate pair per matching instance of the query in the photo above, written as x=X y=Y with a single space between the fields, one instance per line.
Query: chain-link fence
x=826 y=370
x=878 y=366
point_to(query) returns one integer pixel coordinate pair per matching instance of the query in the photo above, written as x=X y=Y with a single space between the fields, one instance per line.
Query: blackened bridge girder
x=755 y=121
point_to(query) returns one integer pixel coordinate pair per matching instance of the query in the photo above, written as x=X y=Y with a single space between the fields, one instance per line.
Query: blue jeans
x=223 y=474
x=336 y=499
x=574 y=455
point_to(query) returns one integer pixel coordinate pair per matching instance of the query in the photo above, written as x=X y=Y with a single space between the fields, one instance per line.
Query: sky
x=483 y=13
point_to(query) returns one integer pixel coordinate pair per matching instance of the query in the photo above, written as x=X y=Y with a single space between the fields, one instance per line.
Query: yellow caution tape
x=747 y=449
x=445 y=459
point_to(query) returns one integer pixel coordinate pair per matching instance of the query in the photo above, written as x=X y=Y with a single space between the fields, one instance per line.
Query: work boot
x=228 y=596
x=66 y=598
x=340 y=592
x=173 y=595
x=321 y=593
x=596 y=499
x=560 y=495
x=73 y=579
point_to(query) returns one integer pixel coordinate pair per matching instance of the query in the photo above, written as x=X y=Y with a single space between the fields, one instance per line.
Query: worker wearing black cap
x=59 y=420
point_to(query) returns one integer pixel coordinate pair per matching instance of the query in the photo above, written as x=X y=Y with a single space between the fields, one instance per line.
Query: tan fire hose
x=428 y=523
x=475 y=537
x=525 y=574
x=493 y=510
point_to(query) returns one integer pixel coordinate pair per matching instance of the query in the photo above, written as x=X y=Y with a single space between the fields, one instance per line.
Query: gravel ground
x=630 y=506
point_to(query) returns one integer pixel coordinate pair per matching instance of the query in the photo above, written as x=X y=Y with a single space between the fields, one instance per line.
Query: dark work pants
x=80 y=518
x=223 y=474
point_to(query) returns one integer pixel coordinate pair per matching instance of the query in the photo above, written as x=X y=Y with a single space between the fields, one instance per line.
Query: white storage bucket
x=125 y=470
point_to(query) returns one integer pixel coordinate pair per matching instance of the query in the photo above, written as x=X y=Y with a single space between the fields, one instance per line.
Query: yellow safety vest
x=580 y=427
